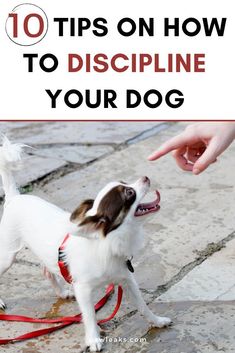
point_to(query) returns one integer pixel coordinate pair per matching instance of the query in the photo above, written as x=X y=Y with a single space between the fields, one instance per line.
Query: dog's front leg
x=140 y=304
x=83 y=293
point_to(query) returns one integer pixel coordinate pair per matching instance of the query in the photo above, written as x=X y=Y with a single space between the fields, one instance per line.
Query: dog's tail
x=10 y=156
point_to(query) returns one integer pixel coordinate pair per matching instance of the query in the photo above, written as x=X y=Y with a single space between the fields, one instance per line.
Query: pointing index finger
x=170 y=145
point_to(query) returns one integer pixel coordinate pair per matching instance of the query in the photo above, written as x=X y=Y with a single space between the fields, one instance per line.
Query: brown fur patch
x=78 y=214
x=112 y=210
x=96 y=223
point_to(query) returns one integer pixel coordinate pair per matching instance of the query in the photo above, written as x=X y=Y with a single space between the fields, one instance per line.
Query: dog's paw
x=2 y=305
x=67 y=294
x=160 y=321
x=94 y=344
x=95 y=347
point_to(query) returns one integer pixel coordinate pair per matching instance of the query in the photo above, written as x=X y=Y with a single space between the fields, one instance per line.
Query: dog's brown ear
x=97 y=222
x=78 y=214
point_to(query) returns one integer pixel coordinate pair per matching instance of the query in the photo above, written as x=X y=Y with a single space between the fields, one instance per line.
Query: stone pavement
x=186 y=268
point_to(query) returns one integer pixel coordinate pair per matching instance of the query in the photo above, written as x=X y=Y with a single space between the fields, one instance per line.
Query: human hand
x=198 y=145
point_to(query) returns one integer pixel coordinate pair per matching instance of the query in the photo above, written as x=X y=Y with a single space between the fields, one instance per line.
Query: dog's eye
x=130 y=193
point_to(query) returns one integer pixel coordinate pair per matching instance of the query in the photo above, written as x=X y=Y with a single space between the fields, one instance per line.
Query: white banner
x=125 y=60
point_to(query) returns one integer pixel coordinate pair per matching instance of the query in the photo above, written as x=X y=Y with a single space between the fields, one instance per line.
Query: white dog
x=103 y=236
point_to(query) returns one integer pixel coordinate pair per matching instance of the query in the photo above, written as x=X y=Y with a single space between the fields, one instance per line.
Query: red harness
x=61 y=262
x=62 y=321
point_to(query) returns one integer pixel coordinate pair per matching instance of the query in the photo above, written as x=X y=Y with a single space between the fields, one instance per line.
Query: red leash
x=63 y=321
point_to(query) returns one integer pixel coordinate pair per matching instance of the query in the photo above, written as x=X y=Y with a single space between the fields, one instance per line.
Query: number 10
x=26 y=25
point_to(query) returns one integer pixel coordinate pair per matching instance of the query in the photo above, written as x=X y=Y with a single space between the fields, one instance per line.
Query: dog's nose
x=145 y=179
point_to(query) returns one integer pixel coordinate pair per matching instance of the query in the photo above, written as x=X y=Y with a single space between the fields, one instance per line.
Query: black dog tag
x=129 y=266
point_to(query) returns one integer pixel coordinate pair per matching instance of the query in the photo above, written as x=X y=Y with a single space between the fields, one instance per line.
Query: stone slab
x=37 y=133
x=35 y=167
x=214 y=279
x=74 y=154
x=198 y=327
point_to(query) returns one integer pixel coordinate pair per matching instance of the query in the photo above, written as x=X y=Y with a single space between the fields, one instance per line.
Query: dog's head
x=116 y=204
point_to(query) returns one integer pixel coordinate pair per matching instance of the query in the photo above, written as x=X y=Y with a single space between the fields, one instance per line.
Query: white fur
x=93 y=261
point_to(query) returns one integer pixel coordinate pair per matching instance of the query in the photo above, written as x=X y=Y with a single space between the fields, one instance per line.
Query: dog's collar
x=62 y=261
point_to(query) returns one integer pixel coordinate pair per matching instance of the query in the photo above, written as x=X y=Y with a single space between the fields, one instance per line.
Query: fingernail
x=196 y=171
